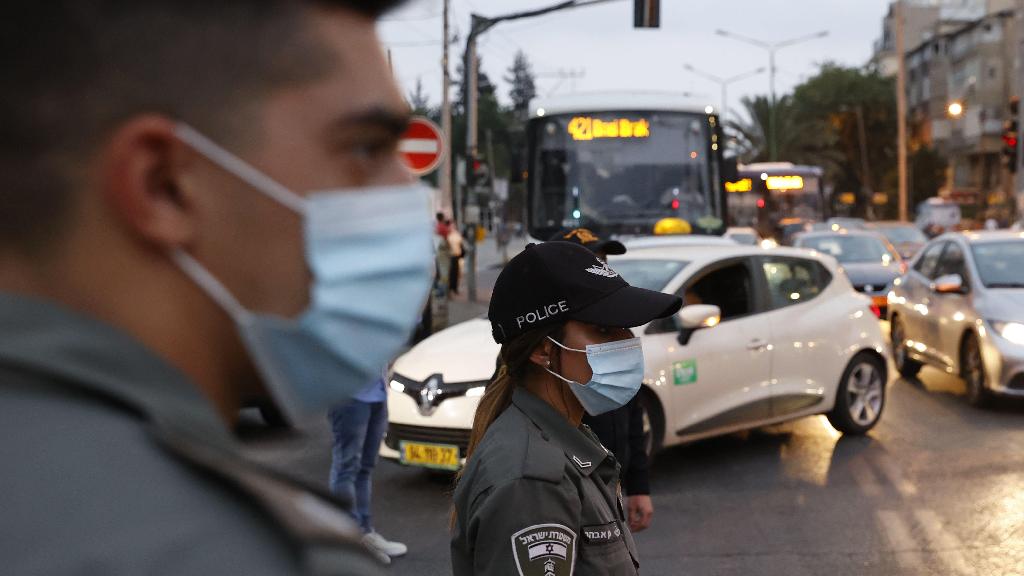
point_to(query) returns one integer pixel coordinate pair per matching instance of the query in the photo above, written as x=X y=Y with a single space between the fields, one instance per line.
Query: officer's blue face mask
x=370 y=255
x=618 y=368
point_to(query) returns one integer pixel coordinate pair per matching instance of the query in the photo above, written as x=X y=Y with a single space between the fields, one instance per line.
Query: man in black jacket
x=622 y=430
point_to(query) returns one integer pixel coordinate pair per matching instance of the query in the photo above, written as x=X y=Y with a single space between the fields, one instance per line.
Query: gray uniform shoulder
x=90 y=488
x=513 y=448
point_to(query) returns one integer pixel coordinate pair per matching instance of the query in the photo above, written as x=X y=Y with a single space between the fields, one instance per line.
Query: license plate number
x=441 y=456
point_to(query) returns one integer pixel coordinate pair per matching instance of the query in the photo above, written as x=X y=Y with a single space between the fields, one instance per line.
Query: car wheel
x=861 y=395
x=905 y=365
x=972 y=369
x=654 y=427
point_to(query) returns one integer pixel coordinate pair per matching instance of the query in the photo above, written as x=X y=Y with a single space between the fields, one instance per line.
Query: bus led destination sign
x=586 y=128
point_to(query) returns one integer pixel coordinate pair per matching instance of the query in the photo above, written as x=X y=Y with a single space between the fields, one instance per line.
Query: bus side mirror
x=730 y=169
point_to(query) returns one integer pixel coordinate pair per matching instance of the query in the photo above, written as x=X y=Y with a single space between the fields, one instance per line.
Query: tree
x=796 y=143
x=419 y=101
x=831 y=105
x=523 y=86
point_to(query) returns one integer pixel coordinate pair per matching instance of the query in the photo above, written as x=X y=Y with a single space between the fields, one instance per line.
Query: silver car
x=960 y=308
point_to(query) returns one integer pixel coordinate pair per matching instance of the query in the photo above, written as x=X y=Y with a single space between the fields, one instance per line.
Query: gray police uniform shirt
x=540 y=498
x=113 y=463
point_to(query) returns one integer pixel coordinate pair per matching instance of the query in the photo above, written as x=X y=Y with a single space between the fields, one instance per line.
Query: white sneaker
x=385 y=546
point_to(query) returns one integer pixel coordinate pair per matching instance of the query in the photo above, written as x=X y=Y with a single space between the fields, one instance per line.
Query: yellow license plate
x=442 y=456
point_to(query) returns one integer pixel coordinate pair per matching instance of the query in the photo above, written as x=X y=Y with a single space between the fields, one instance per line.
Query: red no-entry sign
x=422 y=146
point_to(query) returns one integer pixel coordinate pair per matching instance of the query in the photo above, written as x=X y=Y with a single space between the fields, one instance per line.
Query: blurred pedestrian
x=539 y=494
x=358 y=427
x=442 y=226
x=620 y=430
x=457 y=249
x=198 y=214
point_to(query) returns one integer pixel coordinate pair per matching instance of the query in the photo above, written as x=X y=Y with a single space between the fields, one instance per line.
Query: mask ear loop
x=240 y=168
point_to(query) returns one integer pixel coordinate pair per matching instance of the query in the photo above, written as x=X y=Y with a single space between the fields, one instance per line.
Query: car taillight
x=876 y=311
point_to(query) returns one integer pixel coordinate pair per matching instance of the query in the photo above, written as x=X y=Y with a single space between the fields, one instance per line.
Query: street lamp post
x=479 y=25
x=771 y=47
x=723 y=83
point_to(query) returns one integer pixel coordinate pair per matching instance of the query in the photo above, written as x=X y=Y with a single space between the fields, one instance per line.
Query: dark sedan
x=906 y=237
x=869 y=260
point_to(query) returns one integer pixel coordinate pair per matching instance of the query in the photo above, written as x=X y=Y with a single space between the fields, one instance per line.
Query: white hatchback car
x=794 y=339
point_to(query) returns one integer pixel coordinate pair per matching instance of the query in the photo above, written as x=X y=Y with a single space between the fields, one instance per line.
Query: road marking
x=904 y=547
x=895 y=476
x=865 y=477
x=945 y=543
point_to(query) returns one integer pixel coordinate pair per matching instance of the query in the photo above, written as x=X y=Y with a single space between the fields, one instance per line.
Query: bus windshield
x=622 y=172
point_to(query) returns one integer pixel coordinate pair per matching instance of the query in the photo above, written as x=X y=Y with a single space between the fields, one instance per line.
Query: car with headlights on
x=764 y=337
x=960 y=308
x=868 y=259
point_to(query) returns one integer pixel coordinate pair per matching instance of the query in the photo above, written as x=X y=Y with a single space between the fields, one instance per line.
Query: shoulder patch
x=544 y=550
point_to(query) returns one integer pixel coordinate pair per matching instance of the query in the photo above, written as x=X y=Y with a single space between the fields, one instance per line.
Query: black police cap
x=552 y=282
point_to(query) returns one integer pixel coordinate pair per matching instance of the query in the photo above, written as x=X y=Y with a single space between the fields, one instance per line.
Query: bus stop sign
x=422 y=146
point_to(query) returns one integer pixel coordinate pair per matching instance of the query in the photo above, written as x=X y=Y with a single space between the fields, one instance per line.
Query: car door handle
x=757 y=344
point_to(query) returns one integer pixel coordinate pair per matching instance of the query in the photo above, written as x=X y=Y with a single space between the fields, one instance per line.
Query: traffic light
x=1011 y=135
x=646 y=13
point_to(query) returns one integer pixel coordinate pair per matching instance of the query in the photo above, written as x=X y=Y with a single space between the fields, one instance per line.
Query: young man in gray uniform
x=163 y=263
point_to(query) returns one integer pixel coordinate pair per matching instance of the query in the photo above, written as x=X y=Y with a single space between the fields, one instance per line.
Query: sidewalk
x=489 y=264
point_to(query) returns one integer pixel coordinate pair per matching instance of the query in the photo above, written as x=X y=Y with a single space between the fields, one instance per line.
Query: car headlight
x=1012 y=331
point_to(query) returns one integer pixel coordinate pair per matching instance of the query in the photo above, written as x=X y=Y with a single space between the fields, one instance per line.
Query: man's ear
x=143 y=165
x=541 y=355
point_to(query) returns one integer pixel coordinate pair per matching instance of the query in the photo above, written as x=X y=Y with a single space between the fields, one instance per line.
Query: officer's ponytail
x=514 y=367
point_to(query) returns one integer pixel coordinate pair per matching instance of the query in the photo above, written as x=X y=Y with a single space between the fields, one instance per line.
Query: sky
x=600 y=45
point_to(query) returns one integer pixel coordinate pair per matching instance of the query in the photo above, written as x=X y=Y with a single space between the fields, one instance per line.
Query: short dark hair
x=72 y=70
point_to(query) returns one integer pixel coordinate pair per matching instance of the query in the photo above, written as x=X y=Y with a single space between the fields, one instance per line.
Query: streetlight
x=955 y=109
x=771 y=47
x=723 y=83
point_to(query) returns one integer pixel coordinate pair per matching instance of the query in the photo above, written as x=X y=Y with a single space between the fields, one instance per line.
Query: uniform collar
x=584 y=453
x=85 y=355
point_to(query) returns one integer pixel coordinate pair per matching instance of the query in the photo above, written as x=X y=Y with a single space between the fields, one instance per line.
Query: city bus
x=621 y=163
x=771 y=196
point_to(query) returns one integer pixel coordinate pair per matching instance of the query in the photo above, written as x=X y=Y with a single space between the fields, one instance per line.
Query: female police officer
x=539 y=494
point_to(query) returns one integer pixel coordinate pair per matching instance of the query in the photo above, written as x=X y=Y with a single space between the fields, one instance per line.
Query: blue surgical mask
x=370 y=256
x=618 y=369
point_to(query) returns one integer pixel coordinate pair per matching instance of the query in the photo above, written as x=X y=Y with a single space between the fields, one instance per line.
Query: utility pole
x=901 y=111
x=445 y=179
x=479 y=25
x=865 y=166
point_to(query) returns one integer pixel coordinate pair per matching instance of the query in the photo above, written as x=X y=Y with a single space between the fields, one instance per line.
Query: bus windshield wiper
x=1005 y=285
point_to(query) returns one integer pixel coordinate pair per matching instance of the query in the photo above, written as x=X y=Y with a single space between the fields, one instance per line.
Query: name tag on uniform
x=602 y=533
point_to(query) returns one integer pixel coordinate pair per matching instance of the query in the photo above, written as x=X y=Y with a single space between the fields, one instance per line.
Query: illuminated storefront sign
x=587 y=128
x=742 y=185
x=784 y=182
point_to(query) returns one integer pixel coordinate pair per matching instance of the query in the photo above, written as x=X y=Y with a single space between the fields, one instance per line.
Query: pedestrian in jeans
x=358 y=427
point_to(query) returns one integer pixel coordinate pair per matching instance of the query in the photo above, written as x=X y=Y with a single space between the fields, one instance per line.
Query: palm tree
x=800 y=140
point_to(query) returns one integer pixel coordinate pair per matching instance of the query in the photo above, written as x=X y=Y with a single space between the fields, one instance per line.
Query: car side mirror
x=697 y=317
x=949 y=284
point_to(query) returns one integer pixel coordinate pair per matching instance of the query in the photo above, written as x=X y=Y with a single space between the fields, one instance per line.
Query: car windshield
x=902 y=234
x=849 y=249
x=1000 y=263
x=649 y=274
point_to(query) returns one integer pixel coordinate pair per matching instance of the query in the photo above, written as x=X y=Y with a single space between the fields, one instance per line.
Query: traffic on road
x=515 y=288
